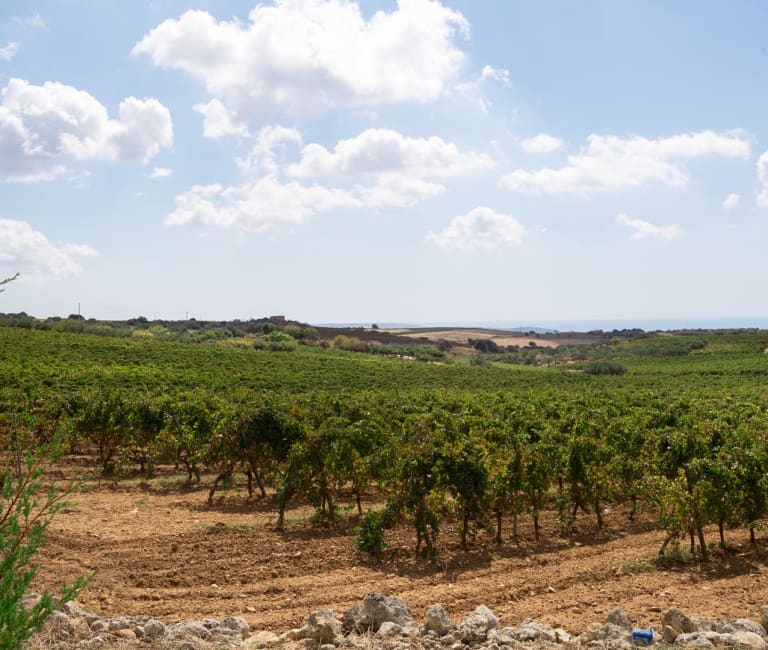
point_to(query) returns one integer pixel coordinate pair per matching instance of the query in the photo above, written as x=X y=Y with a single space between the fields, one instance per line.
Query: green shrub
x=369 y=535
x=604 y=368
x=276 y=341
x=27 y=507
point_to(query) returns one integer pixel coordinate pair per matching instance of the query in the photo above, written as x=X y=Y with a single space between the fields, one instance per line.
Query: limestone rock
x=740 y=624
x=30 y=600
x=619 y=618
x=153 y=629
x=678 y=621
x=388 y=629
x=490 y=617
x=473 y=629
x=189 y=630
x=764 y=616
x=262 y=639
x=531 y=630
x=296 y=634
x=701 y=624
x=751 y=640
x=612 y=632
x=693 y=640
x=375 y=610
x=238 y=625
x=438 y=620
x=99 y=626
x=73 y=609
x=323 y=626
x=59 y=626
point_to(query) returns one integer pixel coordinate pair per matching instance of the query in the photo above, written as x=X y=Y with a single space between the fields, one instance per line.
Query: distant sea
x=606 y=324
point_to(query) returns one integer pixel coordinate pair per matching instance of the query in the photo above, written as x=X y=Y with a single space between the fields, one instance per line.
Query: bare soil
x=500 y=337
x=159 y=549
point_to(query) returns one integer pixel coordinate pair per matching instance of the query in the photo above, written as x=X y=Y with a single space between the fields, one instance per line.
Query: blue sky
x=373 y=161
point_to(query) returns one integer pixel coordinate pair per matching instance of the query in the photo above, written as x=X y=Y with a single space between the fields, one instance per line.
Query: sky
x=379 y=161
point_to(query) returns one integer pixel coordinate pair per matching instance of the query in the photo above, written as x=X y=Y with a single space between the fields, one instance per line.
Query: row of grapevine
x=485 y=458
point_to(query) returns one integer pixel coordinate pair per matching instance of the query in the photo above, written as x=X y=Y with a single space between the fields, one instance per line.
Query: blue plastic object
x=642 y=637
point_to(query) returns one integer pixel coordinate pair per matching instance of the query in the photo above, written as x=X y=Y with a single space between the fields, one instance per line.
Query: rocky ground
x=381 y=622
x=159 y=551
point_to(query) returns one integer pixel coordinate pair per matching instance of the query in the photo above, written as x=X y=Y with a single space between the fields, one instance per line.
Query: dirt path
x=164 y=552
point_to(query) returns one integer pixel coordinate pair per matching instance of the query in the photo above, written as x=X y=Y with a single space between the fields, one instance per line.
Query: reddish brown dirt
x=160 y=549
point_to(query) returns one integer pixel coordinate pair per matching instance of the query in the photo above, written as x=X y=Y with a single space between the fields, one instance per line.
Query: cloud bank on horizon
x=308 y=127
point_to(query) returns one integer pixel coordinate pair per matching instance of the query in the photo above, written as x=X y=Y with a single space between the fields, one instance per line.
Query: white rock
x=388 y=629
x=323 y=626
x=438 y=620
x=262 y=639
x=531 y=630
x=237 y=624
x=153 y=629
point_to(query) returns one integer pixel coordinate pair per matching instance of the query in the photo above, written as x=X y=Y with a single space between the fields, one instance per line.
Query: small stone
x=669 y=634
x=531 y=630
x=59 y=625
x=438 y=620
x=120 y=623
x=619 y=618
x=389 y=629
x=655 y=609
x=323 y=626
x=678 y=621
x=701 y=624
x=262 y=639
x=296 y=634
x=750 y=640
x=124 y=633
x=153 y=629
x=562 y=635
x=30 y=600
x=74 y=609
x=473 y=629
x=490 y=617
x=237 y=624
x=740 y=624
x=99 y=626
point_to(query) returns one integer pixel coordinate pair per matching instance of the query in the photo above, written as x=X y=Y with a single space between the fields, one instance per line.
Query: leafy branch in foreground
x=27 y=507
x=7 y=280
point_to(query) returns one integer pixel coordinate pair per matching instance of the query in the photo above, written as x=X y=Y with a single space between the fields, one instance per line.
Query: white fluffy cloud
x=50 y=174
x=645 y=230
x=36 y=21
x=308 y=56
x=262 y=205
x=473 y=89
x=219 y=121
x=270 y=141
x=731 y=201
x=56 y=121
x=376 y=169
x=480 y=229
x=383 y=151
x=541 y=143
x=29 y=251
x=762 y=177
x=161 y=172
x=7 y=52
x=610 y=163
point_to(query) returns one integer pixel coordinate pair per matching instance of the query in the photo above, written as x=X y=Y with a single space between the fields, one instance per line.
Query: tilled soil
x=159 y=549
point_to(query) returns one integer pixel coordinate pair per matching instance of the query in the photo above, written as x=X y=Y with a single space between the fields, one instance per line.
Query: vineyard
x=683 y=437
